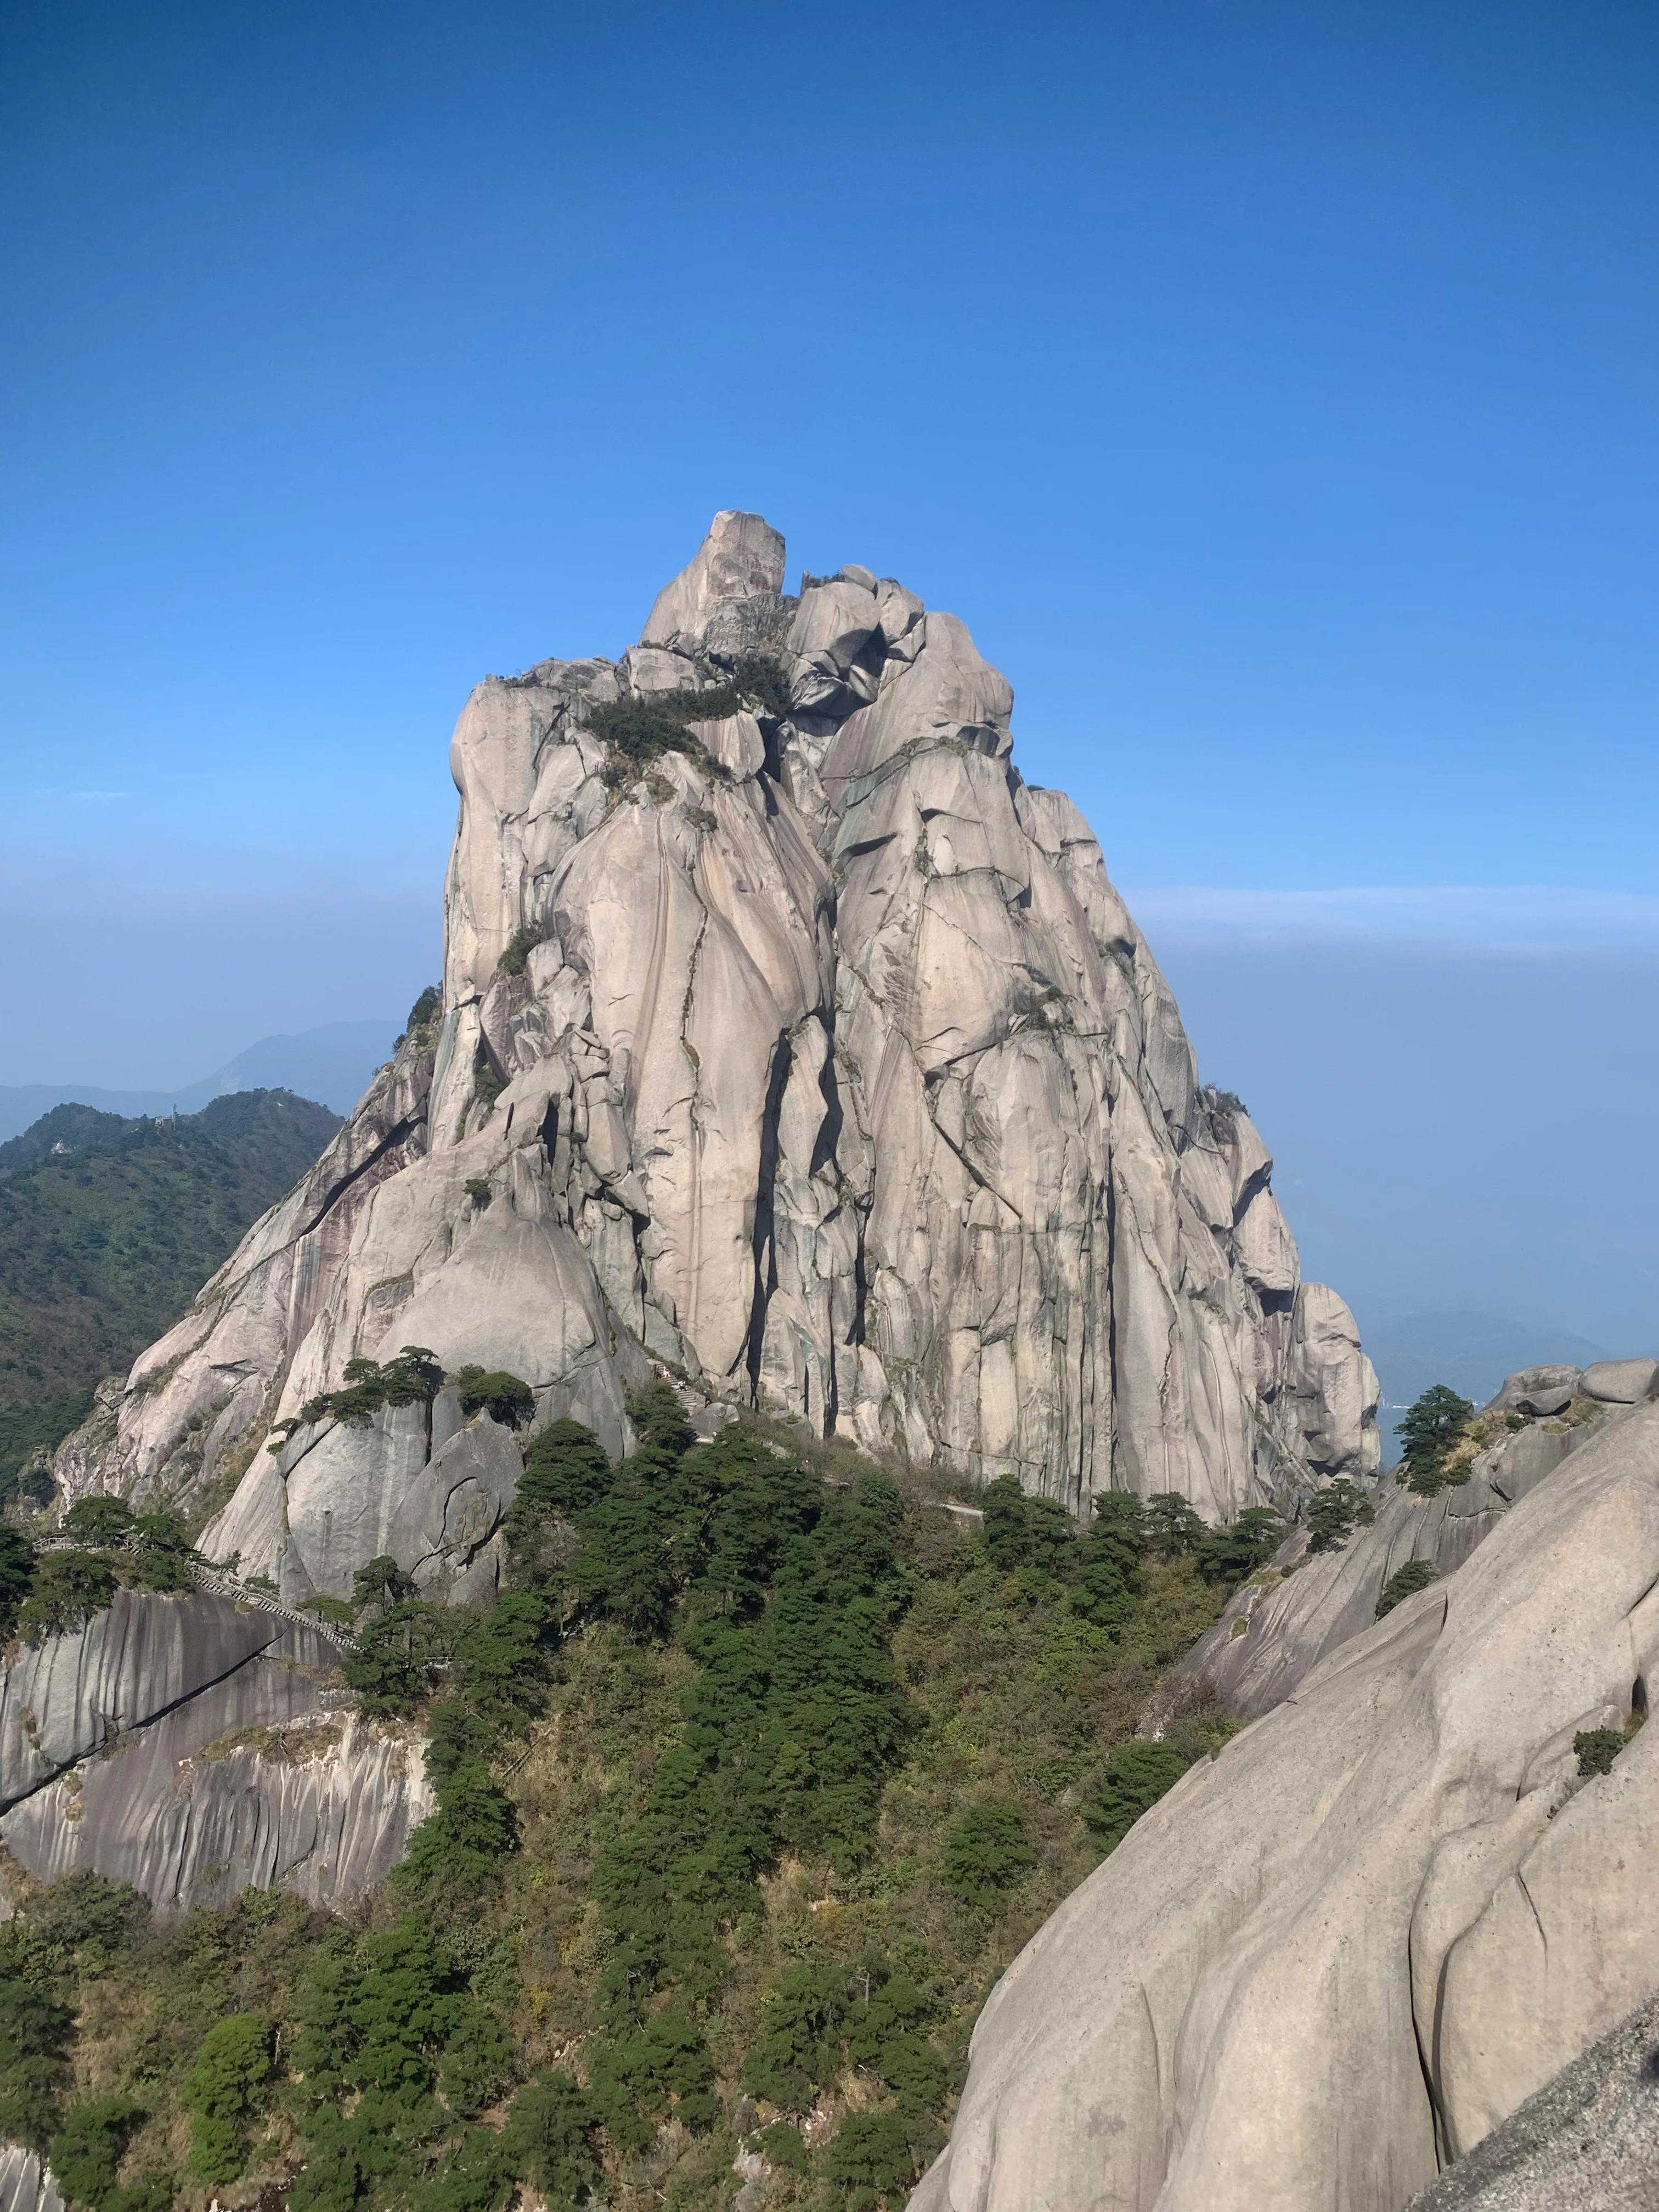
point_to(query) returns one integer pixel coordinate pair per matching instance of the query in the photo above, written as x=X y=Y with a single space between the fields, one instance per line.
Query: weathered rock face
x=1337 y=1956
x=191 y=1748
x=1282 y=1623
x=840 y=1082
x=418 y=1483
x=1588 y=2139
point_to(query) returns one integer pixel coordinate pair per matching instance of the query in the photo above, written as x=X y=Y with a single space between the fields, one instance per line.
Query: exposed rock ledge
x=1335 y=1957
x=1587 y=2141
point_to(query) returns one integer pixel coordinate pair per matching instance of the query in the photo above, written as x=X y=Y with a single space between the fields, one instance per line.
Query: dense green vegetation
x=1595 y=1750
x=26 y=1431
x=747 y=1786
x=1337 y=1511
x=48 y=1591
x=104 y=1245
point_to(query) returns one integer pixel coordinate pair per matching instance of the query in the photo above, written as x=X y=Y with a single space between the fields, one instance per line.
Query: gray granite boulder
x=421 y=1485
x=1278 y=1626
x=1621 y=1382
x=1342 y=1952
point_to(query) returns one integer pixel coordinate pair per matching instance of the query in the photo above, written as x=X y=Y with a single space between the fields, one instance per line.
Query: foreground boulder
x=1340 y=1953
x=804 y=1051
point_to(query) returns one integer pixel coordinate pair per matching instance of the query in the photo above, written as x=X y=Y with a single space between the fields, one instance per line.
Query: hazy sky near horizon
x=1269 y=386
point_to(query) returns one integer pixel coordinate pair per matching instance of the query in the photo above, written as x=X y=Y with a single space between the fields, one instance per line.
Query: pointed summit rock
x=741 y=558
x=789 y=1043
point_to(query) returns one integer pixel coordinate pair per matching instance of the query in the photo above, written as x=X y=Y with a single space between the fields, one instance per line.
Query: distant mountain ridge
x=332 y=1064
x=108 y=1227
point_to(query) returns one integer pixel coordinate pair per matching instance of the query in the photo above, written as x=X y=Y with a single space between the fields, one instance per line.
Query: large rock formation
x=193 y=1746
x=813 y=1059
x=26 y=2184
x=1337 y=1956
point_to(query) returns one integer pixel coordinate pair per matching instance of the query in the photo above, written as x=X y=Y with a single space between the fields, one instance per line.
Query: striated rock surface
x=72 y=1696
x=824 y=1069
x=323 y=1807
x=1340 y=1954
x=26 y=2185
x=191 y=1748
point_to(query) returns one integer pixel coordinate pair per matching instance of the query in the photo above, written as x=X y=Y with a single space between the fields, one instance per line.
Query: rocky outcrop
x=1304 y=1604
x=420 y=1484
x=1588 y=2139
x=197 y=1405
x=26 y=2185
x=1340 y=1953
x=191 y=1748
x=814 y=1061
x=323 y=1807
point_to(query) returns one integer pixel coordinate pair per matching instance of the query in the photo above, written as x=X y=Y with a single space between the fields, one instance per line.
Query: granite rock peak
x=791 y=1044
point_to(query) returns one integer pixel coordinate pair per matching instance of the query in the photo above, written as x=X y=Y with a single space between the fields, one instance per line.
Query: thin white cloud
x=1497 y=918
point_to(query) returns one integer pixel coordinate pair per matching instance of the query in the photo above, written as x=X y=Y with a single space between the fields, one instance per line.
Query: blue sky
x=1270 y=386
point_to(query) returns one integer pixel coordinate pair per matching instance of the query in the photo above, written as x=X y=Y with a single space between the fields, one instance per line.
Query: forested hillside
x=109 y=1227
x=749 y=1785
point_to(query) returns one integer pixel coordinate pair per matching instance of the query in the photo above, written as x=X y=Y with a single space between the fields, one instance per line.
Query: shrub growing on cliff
x=644 y=725
x=1228 y=1555
x=223 y=2090
x=392 y=2051
x=1137 y=1775
x=495 y=1392
x=519 y=947
x=1430 y=1427
x=1172 y=1526
x=412 y=1376
x=68 y=1589
x=1022 y=1531
x=875 y=2156
x=16 y=1576
x=1337 y=1511
x=1405 y=1581
x=1596 y=1749
x=399 y=1657
x=423 y=1015
x=35 y=2031
x=86 y=2155
x=98 y=1521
